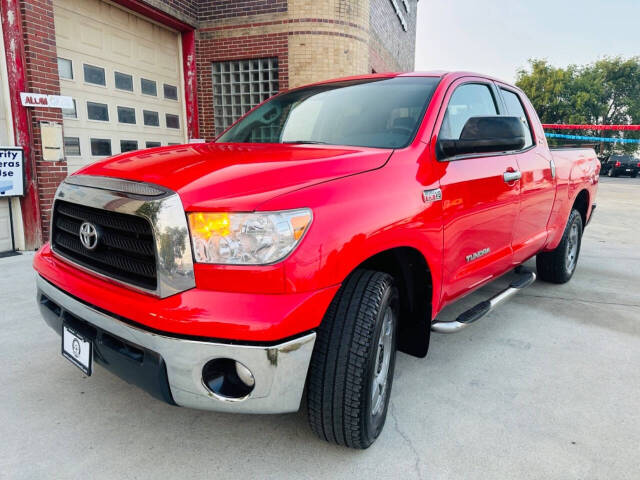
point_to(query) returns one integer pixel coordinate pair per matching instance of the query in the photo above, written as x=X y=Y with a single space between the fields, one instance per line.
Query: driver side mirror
x=485 y=135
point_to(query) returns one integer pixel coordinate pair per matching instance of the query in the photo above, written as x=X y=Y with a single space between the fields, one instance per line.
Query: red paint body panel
x=364 y=201
x=217 y=176
x=196 y=312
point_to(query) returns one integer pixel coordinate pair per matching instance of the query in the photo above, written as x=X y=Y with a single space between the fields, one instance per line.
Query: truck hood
x=237 y=177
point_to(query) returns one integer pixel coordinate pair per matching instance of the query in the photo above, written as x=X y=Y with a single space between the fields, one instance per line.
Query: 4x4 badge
x=432 y=195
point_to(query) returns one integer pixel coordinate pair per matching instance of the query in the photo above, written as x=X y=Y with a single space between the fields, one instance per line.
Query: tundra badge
x=478 y=254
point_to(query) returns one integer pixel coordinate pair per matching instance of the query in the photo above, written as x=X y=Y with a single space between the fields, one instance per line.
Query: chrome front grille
x=125 y=251
x=142 y=240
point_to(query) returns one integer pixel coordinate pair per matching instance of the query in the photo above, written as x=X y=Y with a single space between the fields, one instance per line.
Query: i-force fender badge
x=478 y=254
x=432 y=195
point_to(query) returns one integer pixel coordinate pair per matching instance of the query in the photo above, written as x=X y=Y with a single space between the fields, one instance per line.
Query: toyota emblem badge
x=89 y=235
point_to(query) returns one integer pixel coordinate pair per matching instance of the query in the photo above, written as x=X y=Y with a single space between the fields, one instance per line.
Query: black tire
x=556 y=266
x=346 y=360
x=610 y=173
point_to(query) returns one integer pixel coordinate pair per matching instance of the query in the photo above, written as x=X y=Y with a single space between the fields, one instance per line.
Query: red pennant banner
x=557 y=126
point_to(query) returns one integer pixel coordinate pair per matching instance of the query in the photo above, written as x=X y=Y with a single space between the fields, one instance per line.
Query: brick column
x=41 y=76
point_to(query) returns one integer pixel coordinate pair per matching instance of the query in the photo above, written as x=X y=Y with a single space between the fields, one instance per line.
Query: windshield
x=380 y=113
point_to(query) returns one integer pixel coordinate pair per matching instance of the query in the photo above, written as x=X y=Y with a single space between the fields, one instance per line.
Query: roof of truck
x=429 y=73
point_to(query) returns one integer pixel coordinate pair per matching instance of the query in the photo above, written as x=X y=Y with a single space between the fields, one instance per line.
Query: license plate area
x=77 y=348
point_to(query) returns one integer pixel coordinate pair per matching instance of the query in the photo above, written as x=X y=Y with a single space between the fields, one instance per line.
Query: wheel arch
x=413 y=277
x=581 y=203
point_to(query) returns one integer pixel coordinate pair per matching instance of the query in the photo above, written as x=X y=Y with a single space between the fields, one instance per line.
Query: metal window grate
x=240 y=85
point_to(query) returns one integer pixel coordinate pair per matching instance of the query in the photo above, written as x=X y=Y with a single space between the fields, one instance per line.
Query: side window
x=515 y=108
x=469 y=100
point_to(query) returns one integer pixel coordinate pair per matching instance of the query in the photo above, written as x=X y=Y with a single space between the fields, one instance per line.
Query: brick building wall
x=184 y=10
x=391 y=47
x=42 y=77
x=312 y=40
x=209 y=10
x=211 y=47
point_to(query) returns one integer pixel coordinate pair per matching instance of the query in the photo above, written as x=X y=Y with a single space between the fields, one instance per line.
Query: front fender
x=358 y=217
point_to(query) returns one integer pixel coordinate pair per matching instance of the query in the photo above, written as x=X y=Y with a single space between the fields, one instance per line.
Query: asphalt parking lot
x=547 y=386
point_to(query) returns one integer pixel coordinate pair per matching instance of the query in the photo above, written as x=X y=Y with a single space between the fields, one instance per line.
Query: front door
x=479 y=208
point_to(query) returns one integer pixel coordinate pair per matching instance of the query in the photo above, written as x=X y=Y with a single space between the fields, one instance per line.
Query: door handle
x=511 y=176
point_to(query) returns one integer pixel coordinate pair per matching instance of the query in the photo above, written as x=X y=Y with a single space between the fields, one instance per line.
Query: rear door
x=537 y=185
x=479 y=207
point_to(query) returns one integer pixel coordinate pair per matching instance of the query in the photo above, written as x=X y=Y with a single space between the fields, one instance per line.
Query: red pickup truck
x=324 y=230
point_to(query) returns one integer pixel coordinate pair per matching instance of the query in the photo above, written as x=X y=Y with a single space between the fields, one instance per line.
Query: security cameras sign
x=11 y=172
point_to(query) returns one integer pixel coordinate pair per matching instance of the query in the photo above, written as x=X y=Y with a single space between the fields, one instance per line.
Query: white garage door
x=124 y=73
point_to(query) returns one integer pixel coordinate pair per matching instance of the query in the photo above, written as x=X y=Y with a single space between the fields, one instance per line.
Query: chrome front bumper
x=280 y=370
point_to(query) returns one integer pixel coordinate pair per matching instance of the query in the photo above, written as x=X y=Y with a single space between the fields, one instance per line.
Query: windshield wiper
x=308 y=142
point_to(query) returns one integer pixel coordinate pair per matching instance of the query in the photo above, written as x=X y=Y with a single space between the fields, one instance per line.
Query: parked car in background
x=616 y=165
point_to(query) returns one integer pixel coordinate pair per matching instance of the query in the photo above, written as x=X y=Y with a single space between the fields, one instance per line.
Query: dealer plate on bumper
x=77 y=349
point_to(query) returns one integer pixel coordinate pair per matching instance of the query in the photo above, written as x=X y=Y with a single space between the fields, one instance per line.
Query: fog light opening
x=228 y=379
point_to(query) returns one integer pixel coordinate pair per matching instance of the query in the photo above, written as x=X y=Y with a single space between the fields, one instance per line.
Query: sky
x=497 y=37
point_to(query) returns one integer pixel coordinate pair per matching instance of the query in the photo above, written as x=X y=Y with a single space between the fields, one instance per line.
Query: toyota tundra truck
x=320 y=233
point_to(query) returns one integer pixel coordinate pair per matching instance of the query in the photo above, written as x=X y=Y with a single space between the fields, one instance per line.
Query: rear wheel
x=558 y=266
x=352 y=366
x=610 y=173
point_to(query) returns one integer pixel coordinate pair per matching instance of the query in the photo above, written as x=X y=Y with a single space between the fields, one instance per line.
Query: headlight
x=247 y=238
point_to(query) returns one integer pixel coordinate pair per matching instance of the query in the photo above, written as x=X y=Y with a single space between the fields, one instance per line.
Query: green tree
x=605 y=92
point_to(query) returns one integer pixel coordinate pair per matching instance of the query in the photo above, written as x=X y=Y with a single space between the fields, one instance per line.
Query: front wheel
x=352 y=366
x=558 y=266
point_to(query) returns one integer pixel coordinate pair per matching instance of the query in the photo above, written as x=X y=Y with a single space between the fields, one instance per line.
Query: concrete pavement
x=547 y=386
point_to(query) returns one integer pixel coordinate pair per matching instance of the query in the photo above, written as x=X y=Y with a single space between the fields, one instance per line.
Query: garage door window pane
x=148 y=87
x=65 y=68
x=70 y=112
x=238 y=86
x=98 y=111
x=126 y=115
x=124 y=81
x=128 y=145
x=151 y=119
x=100 y=147
x=72 y=146
x=173 y=121
x=94 y=75
x=152 y=144
x=170 y=92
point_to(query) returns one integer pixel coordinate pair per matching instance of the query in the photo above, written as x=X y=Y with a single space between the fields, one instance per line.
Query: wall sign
x=49 y=101
x=11 y=172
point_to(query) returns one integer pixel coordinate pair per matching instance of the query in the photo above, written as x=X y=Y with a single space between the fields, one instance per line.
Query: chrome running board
x=475 y=313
